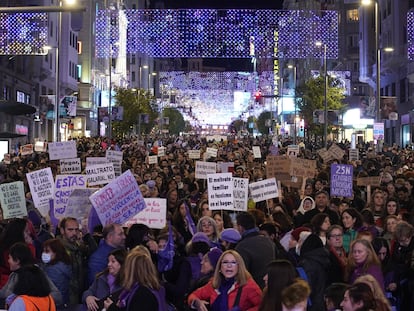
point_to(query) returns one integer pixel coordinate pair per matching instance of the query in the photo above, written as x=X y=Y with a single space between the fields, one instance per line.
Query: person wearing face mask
x=20 y=256
x=57 y=266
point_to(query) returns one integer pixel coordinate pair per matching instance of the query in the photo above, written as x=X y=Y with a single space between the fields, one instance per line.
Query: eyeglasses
x=229 y=263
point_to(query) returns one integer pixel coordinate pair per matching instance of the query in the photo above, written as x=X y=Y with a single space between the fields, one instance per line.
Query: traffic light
x=258 y=96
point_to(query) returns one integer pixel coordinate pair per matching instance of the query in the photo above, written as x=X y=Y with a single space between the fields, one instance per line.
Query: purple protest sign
x=119 y=200
x=341 y=180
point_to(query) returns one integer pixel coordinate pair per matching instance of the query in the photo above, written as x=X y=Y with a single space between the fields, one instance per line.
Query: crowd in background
x=304 y=249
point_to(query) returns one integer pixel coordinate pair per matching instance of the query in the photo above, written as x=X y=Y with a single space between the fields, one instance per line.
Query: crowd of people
x=303 y=250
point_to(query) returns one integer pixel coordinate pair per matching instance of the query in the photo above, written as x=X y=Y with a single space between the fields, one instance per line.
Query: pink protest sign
x=119 y=200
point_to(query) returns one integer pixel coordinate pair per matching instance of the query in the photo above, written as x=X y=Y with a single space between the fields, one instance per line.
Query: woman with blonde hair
x=232 y=286
x=363 y=260
x=382 y=303
x=142 y=289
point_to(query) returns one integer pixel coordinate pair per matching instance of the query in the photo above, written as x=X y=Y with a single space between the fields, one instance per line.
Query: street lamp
x=325 y=104
x=140 y=74
x=151 y=75
x=294 y=100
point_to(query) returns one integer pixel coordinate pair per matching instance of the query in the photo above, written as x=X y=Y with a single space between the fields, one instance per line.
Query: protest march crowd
x=206 y=223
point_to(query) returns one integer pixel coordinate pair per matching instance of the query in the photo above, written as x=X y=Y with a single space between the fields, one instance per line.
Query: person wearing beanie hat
x=314 y=258
x=200 y=237
x=229 y=238
x=213 y=256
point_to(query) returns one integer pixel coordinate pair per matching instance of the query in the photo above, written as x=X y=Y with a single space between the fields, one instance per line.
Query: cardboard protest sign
x=204 y=168
x=278 y=167
x=341 y=180
x=336 y=152
x=41 y=184
x=13 y=200
x=302 y=167
x=70 y=166
x=99 y=174
x=264 y=189
x=62 y=150
x=154 y=215
x=64 y=185
x=325 y=155
x=240 y=193
x=374 y=181
x=220 y=191
x=119 y=200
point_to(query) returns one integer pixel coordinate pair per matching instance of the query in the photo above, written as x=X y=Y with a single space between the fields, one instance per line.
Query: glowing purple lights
x=410 y=34
x=210 y=33
x=23 y=33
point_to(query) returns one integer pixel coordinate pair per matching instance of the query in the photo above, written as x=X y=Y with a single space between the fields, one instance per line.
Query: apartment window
x=393 y=89
x=132 y=76
x=352 y=15
x=6 y=92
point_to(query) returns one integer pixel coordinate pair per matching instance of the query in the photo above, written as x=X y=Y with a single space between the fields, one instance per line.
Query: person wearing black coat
x=314 y=259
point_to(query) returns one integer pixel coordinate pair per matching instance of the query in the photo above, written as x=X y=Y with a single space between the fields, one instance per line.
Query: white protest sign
x=96 y=160
x=70 y=166
x=240 y=193
x=26 y=149
x=211 y=152
x=99 y=174
x=293 y=150
x=79 y=205
x=225 y=167
x=353 y=154
x=152 y=159
x=220 y=191
x=161 y=151
x=13 y=200
x=256 y=152
x=119 y=200
x=194 y=154
x=116 y=158
x=204 y=168
x=40 y=146
x=64 y=185
x=41 y=184
x=62 y=150
x=264 y=189
x=154 y=215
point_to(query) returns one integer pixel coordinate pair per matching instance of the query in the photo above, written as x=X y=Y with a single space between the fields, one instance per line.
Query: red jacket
x=250 y=299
